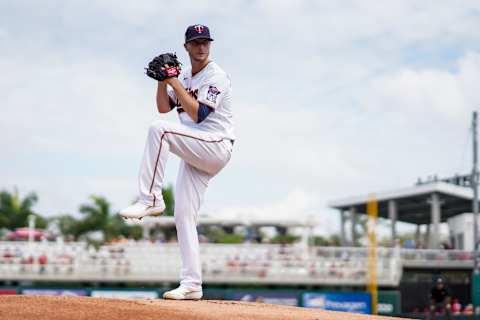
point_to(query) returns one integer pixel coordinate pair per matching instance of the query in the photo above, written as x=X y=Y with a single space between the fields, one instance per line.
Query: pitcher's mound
x=87 y=308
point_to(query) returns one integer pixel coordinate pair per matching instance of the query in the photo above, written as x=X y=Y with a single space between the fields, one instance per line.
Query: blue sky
x=331 y=98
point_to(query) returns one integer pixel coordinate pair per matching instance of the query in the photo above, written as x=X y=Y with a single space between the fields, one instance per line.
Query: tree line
x=95 y=215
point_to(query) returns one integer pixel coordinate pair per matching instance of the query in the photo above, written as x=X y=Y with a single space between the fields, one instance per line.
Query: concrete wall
x=461 y=230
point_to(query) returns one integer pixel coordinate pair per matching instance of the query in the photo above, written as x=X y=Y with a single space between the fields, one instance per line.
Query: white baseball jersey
x=211 y=87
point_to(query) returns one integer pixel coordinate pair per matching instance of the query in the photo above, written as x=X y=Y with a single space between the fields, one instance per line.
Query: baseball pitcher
x=203 y=140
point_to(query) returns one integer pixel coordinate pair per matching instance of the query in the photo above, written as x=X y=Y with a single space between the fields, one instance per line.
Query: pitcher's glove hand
x=164 y=66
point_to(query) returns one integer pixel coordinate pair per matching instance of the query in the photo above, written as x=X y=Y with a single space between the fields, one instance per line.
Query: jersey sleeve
x=213 y=91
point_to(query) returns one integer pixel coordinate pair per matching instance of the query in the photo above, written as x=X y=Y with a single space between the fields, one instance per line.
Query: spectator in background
x=42 y=261
x=456 y=307
x=440 y=299
x=468 y=311
x=7 y=256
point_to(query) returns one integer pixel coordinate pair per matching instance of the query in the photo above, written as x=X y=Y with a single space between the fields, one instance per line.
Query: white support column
x=343 y=233
x=417 y=236
x=145 y=231
x=435 y=204
x=426 y=240
x=353 y=220
x=392 y=215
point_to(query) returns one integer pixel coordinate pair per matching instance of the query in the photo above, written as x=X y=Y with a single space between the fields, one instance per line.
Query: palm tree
x=67 y=224
x=169 y=200
x=96 y=217
x=14 y=211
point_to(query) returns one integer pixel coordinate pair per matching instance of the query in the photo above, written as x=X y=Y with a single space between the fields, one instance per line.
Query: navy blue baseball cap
x=197 y=31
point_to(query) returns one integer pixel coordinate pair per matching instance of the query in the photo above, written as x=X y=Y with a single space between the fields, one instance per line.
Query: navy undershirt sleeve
x=203 y=112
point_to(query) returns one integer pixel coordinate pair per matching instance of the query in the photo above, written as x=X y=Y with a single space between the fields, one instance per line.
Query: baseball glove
x=164 y=66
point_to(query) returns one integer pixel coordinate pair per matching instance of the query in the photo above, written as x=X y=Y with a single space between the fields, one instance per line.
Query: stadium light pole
x=475 y=193
x=476 y=258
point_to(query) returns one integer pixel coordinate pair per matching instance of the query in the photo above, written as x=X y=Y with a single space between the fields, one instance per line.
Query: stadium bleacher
x=222 y=263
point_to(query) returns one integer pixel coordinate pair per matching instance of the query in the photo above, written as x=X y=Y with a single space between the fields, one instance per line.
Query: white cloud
x=74 y=106
x=451 y=94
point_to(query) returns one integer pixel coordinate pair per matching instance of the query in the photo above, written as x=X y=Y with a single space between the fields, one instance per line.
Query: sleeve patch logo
x=212 y=94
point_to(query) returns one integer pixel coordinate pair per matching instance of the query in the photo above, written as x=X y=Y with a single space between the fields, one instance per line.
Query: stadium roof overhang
x=413 y=204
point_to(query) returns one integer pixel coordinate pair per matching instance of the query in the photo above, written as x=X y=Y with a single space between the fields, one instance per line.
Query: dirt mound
x=73 y=308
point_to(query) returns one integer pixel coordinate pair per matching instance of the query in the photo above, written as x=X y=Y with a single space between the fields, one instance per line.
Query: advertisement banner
x=125 y=294
x=272 y=297
x=212 y=294
x=347 y=302
x=54 y=292
x=8 y=291
x=389 y=302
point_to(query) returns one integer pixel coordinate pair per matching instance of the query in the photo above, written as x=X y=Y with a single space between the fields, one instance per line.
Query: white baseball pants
x=203 y=155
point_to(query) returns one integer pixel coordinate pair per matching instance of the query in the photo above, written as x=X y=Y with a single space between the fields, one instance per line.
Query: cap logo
x=199 y=28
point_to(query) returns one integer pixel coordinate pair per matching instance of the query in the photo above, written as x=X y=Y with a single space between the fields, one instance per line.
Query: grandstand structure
x=406 y=271
x=426 y=204
x=222 y=263
x=299 y=263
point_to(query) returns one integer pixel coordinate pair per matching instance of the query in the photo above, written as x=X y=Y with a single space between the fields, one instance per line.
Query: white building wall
x=461 y=230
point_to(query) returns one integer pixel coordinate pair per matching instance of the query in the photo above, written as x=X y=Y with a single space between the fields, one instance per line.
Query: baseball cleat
x=139 y=210
x=181 y=293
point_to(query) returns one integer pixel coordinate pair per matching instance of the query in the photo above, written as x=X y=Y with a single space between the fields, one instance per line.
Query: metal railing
x=430 y=258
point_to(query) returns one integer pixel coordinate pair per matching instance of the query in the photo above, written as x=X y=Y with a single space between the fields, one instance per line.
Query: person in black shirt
x=440 y=299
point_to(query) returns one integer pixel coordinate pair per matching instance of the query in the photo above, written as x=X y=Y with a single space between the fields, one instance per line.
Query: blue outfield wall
x=346 y=302
x=281 y=297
